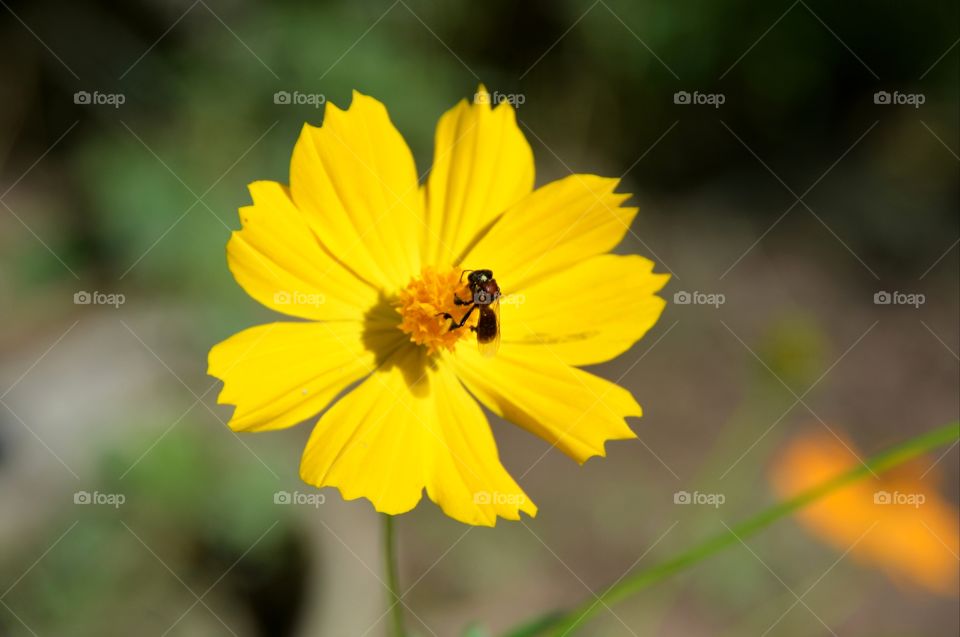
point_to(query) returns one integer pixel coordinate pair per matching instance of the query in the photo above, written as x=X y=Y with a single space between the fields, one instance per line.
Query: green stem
x=566 y=623
x=390 y=556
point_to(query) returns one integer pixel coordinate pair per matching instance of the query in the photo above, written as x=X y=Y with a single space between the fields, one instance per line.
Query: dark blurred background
x=793 y=160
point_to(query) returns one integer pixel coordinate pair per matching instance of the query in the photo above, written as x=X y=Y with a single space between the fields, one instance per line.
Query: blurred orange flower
x=899 y=523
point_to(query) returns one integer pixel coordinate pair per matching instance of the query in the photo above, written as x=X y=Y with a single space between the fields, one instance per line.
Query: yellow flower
x=899 y=523
x=370 y=258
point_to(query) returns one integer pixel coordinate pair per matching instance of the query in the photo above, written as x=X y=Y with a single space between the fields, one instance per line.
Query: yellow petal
x=586 y=314
x=554 y=227
x=482 y=164
x=278 y=261
x=568 y=407
x=407 y=428
x=356 y=181
x=280 y=374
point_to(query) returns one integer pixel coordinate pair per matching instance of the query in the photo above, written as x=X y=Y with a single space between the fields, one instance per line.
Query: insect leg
x=453 y=323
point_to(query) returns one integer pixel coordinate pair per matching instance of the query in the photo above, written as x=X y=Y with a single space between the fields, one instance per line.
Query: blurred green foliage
x=190 y=510
x=598 y=79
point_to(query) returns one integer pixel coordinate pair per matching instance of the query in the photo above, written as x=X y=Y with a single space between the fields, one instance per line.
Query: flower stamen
x=423 y=302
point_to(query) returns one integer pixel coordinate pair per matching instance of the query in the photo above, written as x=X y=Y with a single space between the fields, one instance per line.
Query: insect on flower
x=372 y=265
x=485 y=298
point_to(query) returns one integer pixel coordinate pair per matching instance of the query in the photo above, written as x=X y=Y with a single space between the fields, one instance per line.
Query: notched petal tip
x=480 y=516
x=480 y=99
x=629 y=434
x=660 y=280
x=378 y=504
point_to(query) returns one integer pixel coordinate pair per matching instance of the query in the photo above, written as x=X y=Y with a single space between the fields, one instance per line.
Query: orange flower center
x=424 y=301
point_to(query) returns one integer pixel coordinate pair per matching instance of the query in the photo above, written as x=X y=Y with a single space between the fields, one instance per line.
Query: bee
x=485 y=297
